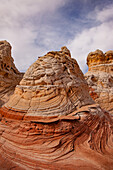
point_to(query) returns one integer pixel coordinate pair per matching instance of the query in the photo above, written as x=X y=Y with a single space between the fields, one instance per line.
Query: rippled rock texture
x=100 y=78
x=53 y=85
x=9 y=75
x=52 y=123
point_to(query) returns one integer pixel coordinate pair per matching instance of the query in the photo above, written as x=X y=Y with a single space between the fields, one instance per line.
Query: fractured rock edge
x=9 y=75
x=100 y=78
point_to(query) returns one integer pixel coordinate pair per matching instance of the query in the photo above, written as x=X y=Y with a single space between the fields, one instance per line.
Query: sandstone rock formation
x=51 y=122
x=53 y=85
x=100 y=78
x=9 y=75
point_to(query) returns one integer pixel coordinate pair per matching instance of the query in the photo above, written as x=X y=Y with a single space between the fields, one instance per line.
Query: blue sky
x=34 y=27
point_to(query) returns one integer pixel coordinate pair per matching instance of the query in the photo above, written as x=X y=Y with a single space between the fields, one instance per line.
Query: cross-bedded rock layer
x=51 y=122
x=81 y=140
x=52 y=86
x=100 y=78
x=9 y=75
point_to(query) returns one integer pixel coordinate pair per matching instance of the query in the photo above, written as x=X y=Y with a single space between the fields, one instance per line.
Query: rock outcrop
x=53 y=85
x=9 y=75
x=51 y=122
x=100 y=78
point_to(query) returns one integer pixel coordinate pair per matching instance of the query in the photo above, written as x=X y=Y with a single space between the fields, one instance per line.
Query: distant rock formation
x=51 y=122
x=9 y=75
x=100 y=78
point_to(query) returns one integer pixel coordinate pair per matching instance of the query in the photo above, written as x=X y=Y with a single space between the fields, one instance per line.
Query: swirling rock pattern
x=100 y=78
x=53 y=85
x=52 y=123
x=81 y=140
x=9 y=75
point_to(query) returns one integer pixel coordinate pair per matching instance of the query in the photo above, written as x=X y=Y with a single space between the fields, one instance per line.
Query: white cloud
x=21 y=23
x=18 y=10
x=106 y=14
x=29 y=25
x=96 y=37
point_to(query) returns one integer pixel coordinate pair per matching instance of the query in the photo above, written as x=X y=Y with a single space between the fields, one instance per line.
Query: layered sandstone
x=9 y=75
x=100 y=78
x=53 y=85
x=51 y=122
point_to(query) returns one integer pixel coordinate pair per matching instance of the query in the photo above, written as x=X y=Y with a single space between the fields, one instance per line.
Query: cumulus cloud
x=24 y=24
x=105 y=15
x=98 y=36
x=34 y=27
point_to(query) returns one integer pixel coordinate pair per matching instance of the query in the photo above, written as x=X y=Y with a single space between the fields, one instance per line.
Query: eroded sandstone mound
x=100 y=78
x=9 y=75
x=51 y=122
x=53 y=85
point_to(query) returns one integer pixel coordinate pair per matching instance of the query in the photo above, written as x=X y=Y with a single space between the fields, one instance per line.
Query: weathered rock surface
x=53 y=85
x=9 y=75
x=51 y=122
x=100 y=78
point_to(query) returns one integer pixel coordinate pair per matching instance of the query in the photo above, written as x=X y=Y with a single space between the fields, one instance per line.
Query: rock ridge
x=100 y=78
x=9 y=75
x=98 y=57
x=51 y=122
x=51 y=86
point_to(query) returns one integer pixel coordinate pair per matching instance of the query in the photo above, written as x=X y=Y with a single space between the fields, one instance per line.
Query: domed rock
x=100 y=78
x=9 y=75
x=52 y=86
x=51 y=122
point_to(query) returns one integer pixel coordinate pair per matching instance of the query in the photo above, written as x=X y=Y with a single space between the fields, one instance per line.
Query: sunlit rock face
x=100 y=78
x=52 y=86
x=51 y=122
x=9 y=75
